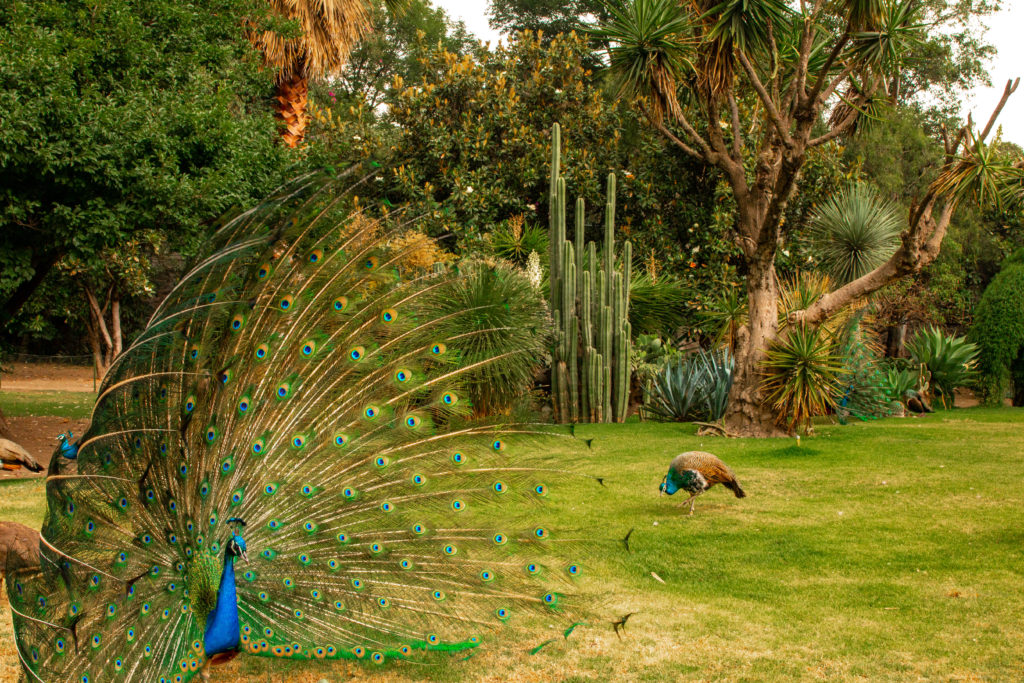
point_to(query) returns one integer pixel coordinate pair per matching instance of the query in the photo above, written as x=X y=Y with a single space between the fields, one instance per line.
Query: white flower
x=356 y=138
x=695 y=250
x=785 y=252
x=469 y=189
x=531 y=207
x=533 y=271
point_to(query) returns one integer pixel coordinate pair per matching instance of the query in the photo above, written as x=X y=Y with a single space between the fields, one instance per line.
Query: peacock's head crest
x=236 y=546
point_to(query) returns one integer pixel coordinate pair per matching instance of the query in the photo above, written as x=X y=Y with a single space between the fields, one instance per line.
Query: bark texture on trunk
x=292 y=97
x=748 y=415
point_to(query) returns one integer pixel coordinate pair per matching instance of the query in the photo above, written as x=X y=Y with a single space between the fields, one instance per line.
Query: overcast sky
x=1006 y=32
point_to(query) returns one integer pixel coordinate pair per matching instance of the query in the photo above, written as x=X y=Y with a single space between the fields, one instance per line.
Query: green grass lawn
x=889 y=550
x=71 y=404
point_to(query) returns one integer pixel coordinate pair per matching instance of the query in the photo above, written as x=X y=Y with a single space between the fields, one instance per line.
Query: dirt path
x=38 y=436
x=46 y=377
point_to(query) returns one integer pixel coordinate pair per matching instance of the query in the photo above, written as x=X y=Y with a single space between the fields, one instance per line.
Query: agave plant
x=802 y=376
x=855 y=232
x=896 y=382
x=950 y=360
x=692 y=388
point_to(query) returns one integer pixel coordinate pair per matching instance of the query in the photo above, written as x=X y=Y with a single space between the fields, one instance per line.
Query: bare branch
x=671 y=136
x=844 y=126
x=769 y=106
x=1011 y=86
x=737 y=132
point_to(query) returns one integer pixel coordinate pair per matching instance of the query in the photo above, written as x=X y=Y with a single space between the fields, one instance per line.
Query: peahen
x=695 y=472
x=281 y=464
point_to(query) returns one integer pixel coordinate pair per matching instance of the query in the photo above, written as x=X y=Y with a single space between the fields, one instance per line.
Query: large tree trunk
x=292 y=98
x=747 y=415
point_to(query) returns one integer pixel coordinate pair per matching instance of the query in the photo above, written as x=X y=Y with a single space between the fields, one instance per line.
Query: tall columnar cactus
x=590 y=371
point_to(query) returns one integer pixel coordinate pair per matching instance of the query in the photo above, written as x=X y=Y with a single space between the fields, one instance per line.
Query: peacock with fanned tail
x=282 y=465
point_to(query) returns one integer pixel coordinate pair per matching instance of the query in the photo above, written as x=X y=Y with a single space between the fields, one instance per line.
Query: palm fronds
x=650 y=46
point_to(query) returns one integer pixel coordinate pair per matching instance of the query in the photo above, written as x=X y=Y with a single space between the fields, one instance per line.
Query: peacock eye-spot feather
x=286 y=302
x=340 y=304
x=501 y=613
x=389 y=315
x=449 y=398
x=412 y=421
x=308 y=348
x=438 y=349
x=357 y=353
x=261 y=351
x=499 y=487
x=316 y=255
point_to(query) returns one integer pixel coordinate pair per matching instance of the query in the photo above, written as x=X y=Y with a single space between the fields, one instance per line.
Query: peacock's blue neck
x=222 y=624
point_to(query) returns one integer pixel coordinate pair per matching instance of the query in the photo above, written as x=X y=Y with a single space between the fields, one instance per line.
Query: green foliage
x=691 y=388
x=503 y=317
x=802 y=376
x=896 y=382
x=121 y=117
x=855 y=232
x=725 y=315
x=389 y=51
x=514 y=239
x=656 y=304
x=999 y=332
x=864 y=394
x=950 y=360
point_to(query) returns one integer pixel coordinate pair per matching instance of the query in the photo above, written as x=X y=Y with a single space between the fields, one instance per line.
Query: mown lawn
x=889 y=550
x=70 y=404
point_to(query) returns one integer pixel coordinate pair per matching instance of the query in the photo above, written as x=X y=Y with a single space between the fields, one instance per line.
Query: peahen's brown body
x=697 y=471
x=14 y=457
x=19 y=547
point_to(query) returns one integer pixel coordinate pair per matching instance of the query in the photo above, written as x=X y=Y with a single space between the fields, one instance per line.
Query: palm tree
x=747 y=87
x=326 y=32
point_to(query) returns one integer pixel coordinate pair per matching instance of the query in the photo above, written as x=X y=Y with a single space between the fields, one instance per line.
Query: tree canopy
x=122 y=117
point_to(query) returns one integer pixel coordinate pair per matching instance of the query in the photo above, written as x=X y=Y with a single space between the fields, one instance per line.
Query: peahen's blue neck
x=222 y=624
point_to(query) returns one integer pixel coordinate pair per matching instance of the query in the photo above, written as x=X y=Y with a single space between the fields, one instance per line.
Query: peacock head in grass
x=236 y=544
x=690 y=481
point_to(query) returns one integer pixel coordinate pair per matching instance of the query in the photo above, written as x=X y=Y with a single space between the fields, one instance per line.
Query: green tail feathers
x=299 y=379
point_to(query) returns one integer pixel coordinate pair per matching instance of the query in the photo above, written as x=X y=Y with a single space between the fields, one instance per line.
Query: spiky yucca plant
x=655 y=304
x=855 y=232
x=515 y=239
x=725 y=315
x=802 y=376
x=510 y=323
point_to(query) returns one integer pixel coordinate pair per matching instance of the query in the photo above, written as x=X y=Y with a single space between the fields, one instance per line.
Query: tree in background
x=751 y=88
x=121 y=118
x=999 y=333
x=314 y=42
x=390 y=50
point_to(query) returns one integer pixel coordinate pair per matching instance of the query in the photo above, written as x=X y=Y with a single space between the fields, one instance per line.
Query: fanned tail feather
x=298 y=379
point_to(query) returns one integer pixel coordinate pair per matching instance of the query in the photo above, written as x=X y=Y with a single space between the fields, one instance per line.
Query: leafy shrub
x=501 y=315
x=802 y=376
x=692 y=388
x=999 y=333
x=949 y=360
